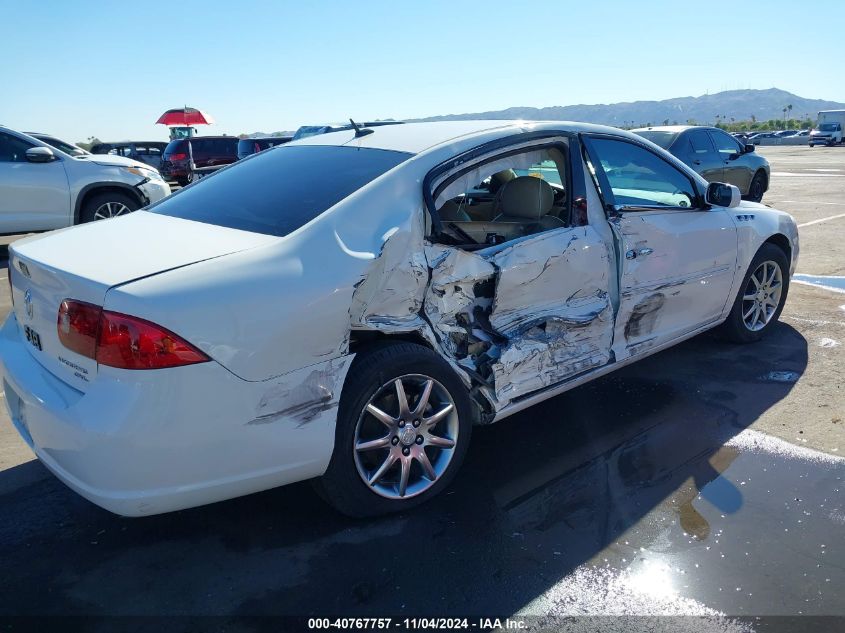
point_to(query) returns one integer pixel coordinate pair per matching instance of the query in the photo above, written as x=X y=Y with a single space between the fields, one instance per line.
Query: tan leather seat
x=452 y=212
x=528 y=199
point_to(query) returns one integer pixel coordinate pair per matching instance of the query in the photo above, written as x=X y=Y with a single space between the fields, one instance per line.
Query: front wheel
x=757 y=187
x=761 y=297
x=110 y=204
x=403 y=428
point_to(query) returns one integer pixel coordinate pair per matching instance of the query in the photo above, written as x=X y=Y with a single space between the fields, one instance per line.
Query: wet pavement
x=641 y=493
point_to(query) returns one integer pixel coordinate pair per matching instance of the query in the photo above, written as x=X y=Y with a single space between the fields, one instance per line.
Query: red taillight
x=120 y=340
x=131 y=343
x=177 y=156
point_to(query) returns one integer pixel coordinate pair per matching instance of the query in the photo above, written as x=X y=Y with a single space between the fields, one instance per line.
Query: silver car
x=714 y=154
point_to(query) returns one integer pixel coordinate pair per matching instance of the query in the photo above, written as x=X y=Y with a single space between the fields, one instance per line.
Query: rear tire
x=759 y=302
x=109 y=204
x=423 y=448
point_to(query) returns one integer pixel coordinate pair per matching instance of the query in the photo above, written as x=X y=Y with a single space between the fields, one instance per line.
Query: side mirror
x=749 y=148
x=40 y=155
x=720 y=194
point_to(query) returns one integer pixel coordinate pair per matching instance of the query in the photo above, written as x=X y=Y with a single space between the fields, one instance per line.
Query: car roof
x=117 y=143
x=677 y=129
x=415 y=138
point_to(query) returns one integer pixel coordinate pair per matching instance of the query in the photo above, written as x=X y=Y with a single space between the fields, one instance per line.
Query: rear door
x=702 y=156
x=33 y=196
x=534 y=309
x=738 y=169
x=678 y=258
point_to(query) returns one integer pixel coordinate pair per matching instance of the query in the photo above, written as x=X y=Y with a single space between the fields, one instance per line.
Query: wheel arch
x=362 y=342
x=96 y=188
x=781 y=241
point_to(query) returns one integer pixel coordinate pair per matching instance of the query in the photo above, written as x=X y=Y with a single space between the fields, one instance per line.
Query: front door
x=678 y=259
x=33 y=196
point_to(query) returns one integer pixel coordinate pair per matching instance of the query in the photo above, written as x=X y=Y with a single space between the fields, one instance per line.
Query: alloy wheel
x=762 y=294
x=406 y=436
x=110 y=210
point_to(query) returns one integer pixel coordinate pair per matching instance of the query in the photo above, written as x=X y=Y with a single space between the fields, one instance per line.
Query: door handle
x=696 y=162
x=642 y=252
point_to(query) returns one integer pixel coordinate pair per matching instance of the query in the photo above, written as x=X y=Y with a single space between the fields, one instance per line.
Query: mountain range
x=740 y=105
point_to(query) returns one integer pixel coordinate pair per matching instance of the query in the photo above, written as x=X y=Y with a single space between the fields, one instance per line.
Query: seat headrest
x=526 y=197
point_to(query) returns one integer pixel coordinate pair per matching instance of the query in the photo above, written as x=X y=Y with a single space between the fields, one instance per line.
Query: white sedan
x=348 y=306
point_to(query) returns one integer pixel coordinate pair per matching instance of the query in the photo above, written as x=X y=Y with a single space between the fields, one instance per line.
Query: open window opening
x=506 y=197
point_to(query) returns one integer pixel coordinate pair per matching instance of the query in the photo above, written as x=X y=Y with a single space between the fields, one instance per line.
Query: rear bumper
x=147 y=442
x=172 y=171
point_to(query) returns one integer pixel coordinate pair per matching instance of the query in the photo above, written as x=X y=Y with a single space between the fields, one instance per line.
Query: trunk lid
x=83 y=262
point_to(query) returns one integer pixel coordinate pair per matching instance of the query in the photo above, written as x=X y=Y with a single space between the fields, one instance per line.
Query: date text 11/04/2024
x=435 y=624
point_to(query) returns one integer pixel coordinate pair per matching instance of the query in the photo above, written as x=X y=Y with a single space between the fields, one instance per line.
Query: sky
x=109 y=69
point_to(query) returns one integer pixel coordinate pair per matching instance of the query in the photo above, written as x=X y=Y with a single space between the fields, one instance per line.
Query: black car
x=716 y=155
x=249 y=146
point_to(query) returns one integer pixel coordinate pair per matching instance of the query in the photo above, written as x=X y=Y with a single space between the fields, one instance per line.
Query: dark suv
x=249 y=146
x=206 y=151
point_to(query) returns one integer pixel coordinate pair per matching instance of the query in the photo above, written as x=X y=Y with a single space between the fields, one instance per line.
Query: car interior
x=505 y=198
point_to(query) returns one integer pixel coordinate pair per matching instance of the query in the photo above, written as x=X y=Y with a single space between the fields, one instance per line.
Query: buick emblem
x=27 y=302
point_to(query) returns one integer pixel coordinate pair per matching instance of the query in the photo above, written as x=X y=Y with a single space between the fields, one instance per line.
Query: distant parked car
x=148 y=152
x=203 y=151
x=250 y=146
x=742 y=137
x=44 y=188
x=785 y=133
x=312 y=130
x=52 y=141
x=755 y=138
x=716 y=155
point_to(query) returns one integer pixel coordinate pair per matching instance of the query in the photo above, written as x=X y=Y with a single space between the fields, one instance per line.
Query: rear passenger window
x=700 y=142
x=504 y=198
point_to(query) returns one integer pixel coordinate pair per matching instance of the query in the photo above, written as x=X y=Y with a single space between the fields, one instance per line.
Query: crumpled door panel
x=526 y=314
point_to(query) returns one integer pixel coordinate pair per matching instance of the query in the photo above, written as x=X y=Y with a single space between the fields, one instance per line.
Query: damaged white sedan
x=346 y=308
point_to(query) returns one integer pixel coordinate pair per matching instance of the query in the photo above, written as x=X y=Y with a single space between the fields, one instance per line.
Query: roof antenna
x=360 y=131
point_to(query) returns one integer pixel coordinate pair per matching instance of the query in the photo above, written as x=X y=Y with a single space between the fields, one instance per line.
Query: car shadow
x=539 y=494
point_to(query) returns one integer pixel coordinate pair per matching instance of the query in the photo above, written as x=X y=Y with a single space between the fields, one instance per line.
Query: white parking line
x=806 y=202
x=820 y=220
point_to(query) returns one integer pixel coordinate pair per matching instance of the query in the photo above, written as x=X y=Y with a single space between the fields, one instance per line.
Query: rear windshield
x=658 y=137
x=176 y=146
x=277 y=192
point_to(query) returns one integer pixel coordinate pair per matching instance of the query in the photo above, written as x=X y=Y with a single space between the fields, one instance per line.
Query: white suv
x=43 y=188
